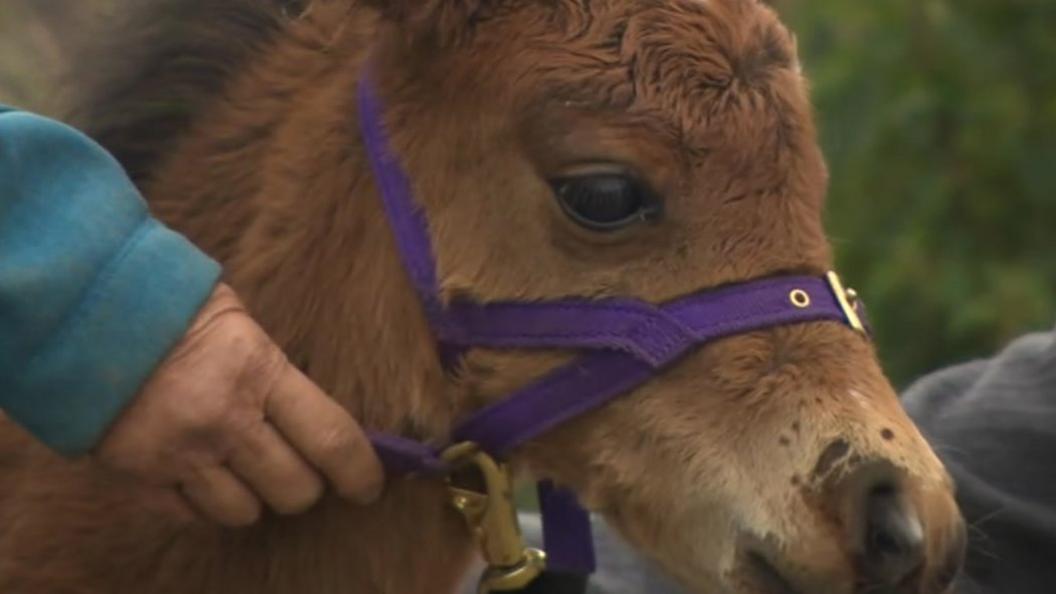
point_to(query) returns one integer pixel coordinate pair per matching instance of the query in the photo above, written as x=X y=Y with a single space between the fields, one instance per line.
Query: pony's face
x=650 y=149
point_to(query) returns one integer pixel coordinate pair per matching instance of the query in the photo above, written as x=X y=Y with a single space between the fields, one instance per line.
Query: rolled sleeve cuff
x=137 y=309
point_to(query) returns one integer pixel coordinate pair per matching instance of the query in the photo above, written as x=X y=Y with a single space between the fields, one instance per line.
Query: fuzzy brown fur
x=753 y=445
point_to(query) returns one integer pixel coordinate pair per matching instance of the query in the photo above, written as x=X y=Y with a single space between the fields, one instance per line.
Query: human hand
x=229 y=422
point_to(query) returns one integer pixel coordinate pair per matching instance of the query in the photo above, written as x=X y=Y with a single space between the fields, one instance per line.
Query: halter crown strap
x=408 y=225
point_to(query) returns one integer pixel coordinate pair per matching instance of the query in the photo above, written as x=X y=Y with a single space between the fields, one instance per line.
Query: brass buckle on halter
x=491 y=516
x=848 y=300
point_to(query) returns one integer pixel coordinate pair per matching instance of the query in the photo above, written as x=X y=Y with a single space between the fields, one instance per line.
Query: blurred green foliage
x=938 y=118
x=939 y=122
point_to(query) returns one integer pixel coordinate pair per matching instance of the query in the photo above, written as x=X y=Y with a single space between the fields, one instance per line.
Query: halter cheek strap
x=626 y=342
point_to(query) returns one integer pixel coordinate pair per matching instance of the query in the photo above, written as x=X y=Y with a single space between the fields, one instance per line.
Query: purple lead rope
x=628 y=343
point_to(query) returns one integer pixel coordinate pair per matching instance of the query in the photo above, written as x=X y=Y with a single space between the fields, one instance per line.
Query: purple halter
x=627 y=341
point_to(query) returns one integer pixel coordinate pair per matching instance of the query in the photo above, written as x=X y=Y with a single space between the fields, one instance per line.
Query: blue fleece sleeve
x=93 y=290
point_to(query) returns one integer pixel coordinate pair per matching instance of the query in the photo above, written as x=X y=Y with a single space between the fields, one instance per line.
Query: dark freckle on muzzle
x=835 y=452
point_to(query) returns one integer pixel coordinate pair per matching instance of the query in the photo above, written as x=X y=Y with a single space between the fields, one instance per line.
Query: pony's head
x=649 y=149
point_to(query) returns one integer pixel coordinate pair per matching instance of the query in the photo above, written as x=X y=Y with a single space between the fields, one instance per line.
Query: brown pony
x=760 y=464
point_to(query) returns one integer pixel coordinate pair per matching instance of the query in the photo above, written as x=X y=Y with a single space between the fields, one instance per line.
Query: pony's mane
x=158 y=63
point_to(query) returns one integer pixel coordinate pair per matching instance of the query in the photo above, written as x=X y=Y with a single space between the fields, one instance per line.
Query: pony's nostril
x=893 y=547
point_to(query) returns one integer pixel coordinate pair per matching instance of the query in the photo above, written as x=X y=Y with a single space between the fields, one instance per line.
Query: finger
x=220 y=495
x=326 y=435
x=271 y=467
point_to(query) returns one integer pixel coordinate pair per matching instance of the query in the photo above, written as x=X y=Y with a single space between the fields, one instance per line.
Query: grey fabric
x=993 y=422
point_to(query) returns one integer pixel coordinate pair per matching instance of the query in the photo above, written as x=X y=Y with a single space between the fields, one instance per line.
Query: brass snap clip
x=491 y=515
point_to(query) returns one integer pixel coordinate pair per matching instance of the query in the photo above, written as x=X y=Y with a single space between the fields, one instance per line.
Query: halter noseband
x=627 y=343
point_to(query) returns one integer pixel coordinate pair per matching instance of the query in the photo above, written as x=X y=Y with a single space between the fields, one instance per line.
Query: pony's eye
x=605 y=202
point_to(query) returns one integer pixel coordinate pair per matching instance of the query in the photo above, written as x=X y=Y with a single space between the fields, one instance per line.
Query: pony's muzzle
x=900 y=538
x=896 y=539
x=892 y=538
